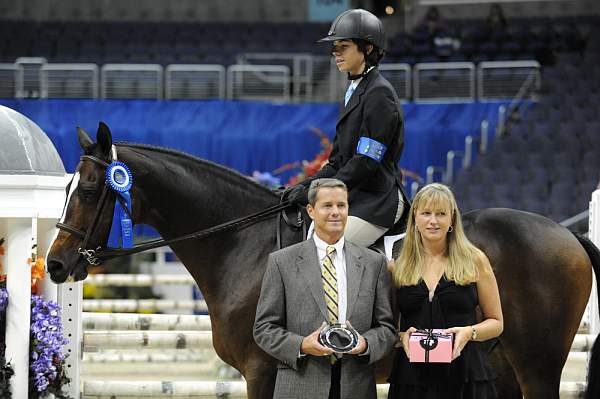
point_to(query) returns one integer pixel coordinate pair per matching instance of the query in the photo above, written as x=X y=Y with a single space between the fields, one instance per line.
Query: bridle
x=98 y=255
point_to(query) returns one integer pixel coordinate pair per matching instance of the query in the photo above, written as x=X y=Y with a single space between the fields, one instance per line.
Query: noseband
x=98 y=255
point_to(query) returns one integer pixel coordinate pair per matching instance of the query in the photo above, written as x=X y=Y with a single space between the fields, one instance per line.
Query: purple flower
x=3 y=299
x=46 y=342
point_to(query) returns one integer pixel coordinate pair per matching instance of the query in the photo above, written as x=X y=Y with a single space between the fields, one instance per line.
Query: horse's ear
x=104 y=138
x=84 y=139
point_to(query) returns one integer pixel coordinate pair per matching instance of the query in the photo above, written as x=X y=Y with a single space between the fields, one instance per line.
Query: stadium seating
x=549 y=162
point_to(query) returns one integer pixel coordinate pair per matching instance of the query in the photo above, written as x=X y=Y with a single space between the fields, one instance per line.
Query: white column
x=18 y=284
x=46 y=233
x=69 y=298
x=594 y=235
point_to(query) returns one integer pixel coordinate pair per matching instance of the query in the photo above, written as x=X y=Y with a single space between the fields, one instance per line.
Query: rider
x=369 y=134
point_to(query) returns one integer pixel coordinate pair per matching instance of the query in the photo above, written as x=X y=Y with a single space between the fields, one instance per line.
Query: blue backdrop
x=247 y=136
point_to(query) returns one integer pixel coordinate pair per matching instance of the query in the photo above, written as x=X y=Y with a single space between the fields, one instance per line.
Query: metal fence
x=444 y=81
x=194 y=82
x=8 y=80
x=297 y=78
x=258 y=82
x=503 y=79
x=69 y=81
x=144 y=81
x=28 y=76
x=399 y=76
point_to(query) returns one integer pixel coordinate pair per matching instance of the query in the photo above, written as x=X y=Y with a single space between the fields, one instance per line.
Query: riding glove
x=298 y=195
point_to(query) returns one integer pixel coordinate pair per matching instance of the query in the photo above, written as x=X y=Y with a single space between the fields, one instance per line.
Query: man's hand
x=311 y=345
x=362 y=342
x=298 y=195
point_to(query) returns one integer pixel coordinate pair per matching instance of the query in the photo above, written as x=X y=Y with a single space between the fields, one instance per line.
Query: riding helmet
x=357 y=24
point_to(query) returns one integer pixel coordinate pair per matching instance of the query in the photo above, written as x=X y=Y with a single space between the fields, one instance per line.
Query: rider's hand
x=298 y=195
x=311 y=345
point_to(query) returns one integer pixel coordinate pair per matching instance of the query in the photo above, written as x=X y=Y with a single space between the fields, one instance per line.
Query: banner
x=326 y=10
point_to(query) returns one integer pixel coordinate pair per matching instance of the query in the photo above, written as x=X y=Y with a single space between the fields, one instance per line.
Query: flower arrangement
x=309 y=168
x=46 y=361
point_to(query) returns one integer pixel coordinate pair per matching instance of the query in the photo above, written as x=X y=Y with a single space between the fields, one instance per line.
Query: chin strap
x=360 y=75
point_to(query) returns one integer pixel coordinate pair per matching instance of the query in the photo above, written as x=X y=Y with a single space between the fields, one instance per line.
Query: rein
x=96 y=256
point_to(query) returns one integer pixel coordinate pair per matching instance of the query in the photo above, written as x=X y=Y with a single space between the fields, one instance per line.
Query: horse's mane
x=188 y=157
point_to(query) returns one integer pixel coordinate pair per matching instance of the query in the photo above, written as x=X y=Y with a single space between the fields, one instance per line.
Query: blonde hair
x=463 y=256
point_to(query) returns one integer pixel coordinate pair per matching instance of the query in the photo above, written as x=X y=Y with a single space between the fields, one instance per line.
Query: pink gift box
x=430 y=349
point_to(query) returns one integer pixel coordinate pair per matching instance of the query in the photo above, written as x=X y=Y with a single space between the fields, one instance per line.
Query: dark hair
x=373 y=58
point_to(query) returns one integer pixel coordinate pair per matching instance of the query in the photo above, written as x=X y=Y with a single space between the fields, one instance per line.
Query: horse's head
x=86 y=219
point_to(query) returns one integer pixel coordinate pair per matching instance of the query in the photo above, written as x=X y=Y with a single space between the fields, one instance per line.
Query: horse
x=544 y=271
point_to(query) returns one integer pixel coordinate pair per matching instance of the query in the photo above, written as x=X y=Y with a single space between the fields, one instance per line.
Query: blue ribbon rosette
x=120 y=180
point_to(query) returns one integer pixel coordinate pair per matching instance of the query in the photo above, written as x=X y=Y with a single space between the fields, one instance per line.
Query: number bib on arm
x=371 y=148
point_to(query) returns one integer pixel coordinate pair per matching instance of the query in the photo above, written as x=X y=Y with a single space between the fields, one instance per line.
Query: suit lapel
x=309 y=267
x=360 y=90
x=354 y=273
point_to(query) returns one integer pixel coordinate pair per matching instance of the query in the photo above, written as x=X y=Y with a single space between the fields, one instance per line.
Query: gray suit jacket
x=292 y=305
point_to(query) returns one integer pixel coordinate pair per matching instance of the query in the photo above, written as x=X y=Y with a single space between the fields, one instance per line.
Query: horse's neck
x=177 y=195
x=180 y=196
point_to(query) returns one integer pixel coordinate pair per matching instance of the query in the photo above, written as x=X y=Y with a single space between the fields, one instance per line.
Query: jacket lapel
x=354 y=273
x=360 y=90
x=309 y=267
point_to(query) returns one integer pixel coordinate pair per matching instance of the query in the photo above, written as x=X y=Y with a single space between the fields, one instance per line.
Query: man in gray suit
x=298 y=297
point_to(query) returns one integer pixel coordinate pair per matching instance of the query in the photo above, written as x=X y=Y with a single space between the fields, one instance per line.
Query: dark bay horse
x=544 y=272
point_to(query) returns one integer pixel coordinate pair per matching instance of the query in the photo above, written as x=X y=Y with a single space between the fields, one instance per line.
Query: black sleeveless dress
x=469 y=376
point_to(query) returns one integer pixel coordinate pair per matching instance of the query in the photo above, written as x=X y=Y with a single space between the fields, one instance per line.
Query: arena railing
x=501 y=80
x=301 y=67
x=187 y=82
x=399 y=75
x=8 y=80
x=258 y=82
x=132 y=81
x=28 y=76
x=444 y=82
x=69 y=81
x=304 y=78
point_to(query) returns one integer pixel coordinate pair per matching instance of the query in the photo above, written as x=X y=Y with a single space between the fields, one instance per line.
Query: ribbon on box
x=120 y=180
x=430 y=341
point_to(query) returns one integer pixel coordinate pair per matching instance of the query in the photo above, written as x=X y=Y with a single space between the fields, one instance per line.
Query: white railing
x=399 y=75
x=301 y=66
x=69 y=81
x=498 y=80
x=299 y=78
x=594 y=235
x=444 y=81
x=28 y=76
x=132 y=81
x=187 y=82
x=8 y=80
x=258 y=82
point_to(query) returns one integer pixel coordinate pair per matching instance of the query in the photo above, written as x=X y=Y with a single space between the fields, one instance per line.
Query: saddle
x=398 y=229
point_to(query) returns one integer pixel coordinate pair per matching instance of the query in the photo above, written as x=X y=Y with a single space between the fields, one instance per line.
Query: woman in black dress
x=441 y=279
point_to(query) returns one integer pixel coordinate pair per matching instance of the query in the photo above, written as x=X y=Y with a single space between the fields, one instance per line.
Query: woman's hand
x=462 y=335
x=405 y=337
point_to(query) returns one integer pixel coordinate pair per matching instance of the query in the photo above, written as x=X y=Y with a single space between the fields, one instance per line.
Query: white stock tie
x=348 y=94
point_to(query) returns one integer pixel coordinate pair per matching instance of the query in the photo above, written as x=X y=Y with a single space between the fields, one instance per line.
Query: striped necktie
x=348 y=94
x=329 y=278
